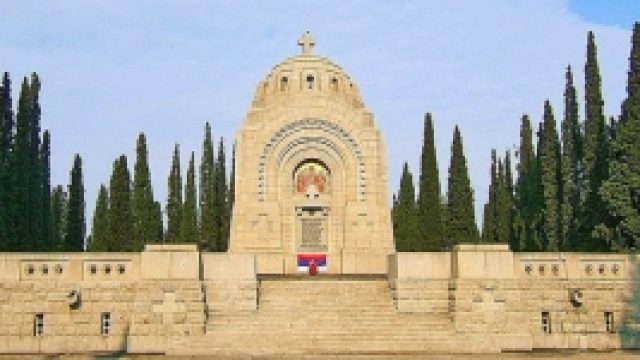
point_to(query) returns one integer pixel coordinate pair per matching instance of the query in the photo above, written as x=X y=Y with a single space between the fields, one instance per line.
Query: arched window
x=310 y=80
x=334 y=84
x=312 y=172
x=284 y=83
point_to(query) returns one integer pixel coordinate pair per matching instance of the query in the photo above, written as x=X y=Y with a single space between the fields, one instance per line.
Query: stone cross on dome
x=307 y=43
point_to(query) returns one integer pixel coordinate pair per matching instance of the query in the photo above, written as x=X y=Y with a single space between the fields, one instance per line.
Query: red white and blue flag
x=305 y=259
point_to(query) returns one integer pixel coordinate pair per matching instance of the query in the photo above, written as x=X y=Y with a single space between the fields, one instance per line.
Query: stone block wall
x=522 y=300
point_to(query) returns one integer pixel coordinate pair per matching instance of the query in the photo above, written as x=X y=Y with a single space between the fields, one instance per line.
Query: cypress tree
x=503 y=206
x=21 y=172
x=144 y=213
x=45 y=189
x=510 y=201
x=406 y=214
x=75 y=221
x=550 y=175
x=221 y=203
x=527 y=198
x=100 y=230
x=158 y=220
x=621 y=192
x=58 y=218
x=174 y=200
x=207 y=193
x=429 y=214
x=571 y=166
x=461 y=226
x=189 y=220
x=6 y=143
x=489 y=222
x=35 y=181
x=120 y=209
x=595 y=154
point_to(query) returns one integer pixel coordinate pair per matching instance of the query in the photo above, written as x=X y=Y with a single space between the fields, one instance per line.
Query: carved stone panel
x=311 y=229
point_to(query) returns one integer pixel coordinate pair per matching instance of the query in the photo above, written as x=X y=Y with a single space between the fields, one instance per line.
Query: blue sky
x=111 y=69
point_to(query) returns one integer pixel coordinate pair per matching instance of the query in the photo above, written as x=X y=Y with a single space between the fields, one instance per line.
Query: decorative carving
x=305 y=125
x=588 y=269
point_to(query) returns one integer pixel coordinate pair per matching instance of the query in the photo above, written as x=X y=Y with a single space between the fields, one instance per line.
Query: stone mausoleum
x=311 y=189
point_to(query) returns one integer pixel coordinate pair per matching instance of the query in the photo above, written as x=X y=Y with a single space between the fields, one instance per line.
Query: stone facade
x=311 y=178
x=311 y=175
x=172 y=299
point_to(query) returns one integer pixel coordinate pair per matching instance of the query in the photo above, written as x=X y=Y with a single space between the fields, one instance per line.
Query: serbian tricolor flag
x=305 y=259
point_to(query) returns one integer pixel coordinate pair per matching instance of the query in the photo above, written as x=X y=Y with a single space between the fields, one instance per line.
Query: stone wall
x=496 y=292
x=501 y=300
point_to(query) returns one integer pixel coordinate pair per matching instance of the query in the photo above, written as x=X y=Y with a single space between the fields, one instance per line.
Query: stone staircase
x=322 y=316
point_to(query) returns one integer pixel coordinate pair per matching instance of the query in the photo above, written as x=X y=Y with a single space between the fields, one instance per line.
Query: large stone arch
x=308 y=131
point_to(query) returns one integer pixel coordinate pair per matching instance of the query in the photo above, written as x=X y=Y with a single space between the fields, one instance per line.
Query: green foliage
x=207 y=193
x=549 y=158
x=174 y=200
x=594 y=212
x=189 y=220
x=461 y=227
x=489 y=214
x=406 y=214
x=429 y=214
x=75 y=221
x=58 y=218
x=498 y=211
x=527 y=198
x=100 y=230
x=145 y=226
x=120 y=209
x=6 y=143
x=21 y=172
x=571 y=167
x=44 y=208
x=221 y=203
x=621 y=192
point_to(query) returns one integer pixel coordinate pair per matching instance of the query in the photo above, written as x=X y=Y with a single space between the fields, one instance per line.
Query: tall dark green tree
x=120 y=209
x=528 y=193
x=145 y=226
x=45 y=190
x=174 y=200
x=621 y=191
x=549 y=159
x=461 y=227
x=7 y=239
x=571 y=167
x=21 y=173
x=595 y=155
x=509 y=198
x=189 y=220
x=207 y=193
x=497 y=221
x=35 y=181
x=429 y=214
x=100 y=231
x=489 y=221
x=407 y=233
x=75 y=220
x=221 y=201
x=58 y=218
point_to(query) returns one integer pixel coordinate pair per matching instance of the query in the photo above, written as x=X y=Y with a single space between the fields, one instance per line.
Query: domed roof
x=307 y=75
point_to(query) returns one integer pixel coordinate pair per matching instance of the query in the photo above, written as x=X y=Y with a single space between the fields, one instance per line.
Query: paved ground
x=512 y=356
